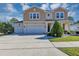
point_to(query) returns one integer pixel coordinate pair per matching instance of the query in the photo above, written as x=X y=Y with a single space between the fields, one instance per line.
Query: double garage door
x=35 y=29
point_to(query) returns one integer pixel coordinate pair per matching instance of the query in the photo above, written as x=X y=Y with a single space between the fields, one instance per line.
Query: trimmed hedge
x=57 y=30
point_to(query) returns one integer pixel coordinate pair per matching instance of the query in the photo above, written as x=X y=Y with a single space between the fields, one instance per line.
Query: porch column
x=46 y=27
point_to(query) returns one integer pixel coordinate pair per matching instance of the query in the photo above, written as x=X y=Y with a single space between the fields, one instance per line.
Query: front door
x=49 y=24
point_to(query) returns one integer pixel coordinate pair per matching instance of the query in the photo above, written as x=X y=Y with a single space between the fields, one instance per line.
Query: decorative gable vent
x=34 y=9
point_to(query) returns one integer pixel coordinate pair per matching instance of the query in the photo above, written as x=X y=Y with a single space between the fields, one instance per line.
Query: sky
x=16 y=10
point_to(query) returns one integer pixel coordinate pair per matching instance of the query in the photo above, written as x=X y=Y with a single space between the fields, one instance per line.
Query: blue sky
x=9 y=10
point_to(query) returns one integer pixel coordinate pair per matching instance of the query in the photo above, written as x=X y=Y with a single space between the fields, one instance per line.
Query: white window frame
x=59 y=15
x=32 y=15
x=49 y=17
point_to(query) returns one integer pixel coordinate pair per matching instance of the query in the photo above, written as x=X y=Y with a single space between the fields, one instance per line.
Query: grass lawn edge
x=71 y=51
x=65 y=39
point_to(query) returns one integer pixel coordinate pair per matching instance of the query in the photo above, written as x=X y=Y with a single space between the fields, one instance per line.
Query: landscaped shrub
x=49 y=34
x=57 y=30
x=6 y=28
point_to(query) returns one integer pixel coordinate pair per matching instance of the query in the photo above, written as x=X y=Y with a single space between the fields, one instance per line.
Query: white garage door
x=35 y=29
x=18 y=30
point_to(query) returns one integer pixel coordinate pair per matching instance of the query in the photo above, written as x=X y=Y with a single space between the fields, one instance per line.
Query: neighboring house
x=38 y=21
x=74 y=27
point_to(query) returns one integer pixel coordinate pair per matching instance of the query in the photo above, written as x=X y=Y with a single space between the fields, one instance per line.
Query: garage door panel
x=35 y=28
x=18 y=30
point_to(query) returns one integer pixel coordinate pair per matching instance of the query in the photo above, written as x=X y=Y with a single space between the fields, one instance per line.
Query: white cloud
x=44 y=6
x=10 y=8
x=56 y=5
x=24 y=6
x=64 y=5
x=53 y=6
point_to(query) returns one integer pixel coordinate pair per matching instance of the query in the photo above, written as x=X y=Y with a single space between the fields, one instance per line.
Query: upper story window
x=62 y=15
x=48 y=14
x=34 y=15
x=30 y=16
x=59 y=15
x=38 y=16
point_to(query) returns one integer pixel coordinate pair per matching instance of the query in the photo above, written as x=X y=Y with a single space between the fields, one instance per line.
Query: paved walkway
x=66 y=44
x=28 y=45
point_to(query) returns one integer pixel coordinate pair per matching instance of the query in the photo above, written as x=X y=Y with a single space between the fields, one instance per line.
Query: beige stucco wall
x=43 y=14
x=60 y=10
x=26 y=14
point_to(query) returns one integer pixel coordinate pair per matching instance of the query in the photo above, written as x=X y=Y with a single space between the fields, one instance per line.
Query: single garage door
x=35 y=29
x=18 y=30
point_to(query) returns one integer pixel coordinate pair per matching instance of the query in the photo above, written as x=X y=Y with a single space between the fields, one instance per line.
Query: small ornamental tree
x=6 y=28
x=13 y=20
x=57 y=30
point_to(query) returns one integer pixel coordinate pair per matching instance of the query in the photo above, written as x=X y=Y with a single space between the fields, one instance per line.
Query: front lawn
x=73 y=51
x=65 y=39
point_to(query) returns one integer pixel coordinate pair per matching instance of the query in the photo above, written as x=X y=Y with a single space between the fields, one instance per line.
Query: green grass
x=73 y=51
x=65 y=39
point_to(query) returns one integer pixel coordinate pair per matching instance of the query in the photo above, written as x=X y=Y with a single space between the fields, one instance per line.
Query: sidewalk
x=66 y=44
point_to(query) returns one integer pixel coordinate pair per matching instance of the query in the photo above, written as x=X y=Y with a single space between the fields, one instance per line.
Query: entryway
x=49 y=27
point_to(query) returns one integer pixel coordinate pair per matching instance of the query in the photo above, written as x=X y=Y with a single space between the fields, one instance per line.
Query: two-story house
x=38 y=21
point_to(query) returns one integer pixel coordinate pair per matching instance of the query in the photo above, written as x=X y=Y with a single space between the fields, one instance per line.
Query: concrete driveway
x=27 y=45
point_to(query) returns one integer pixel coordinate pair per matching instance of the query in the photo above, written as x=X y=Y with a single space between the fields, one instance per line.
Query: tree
x=1 y=27
x=6 y=28
x=13 y=20
x=9 y=28
x=57 y=30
